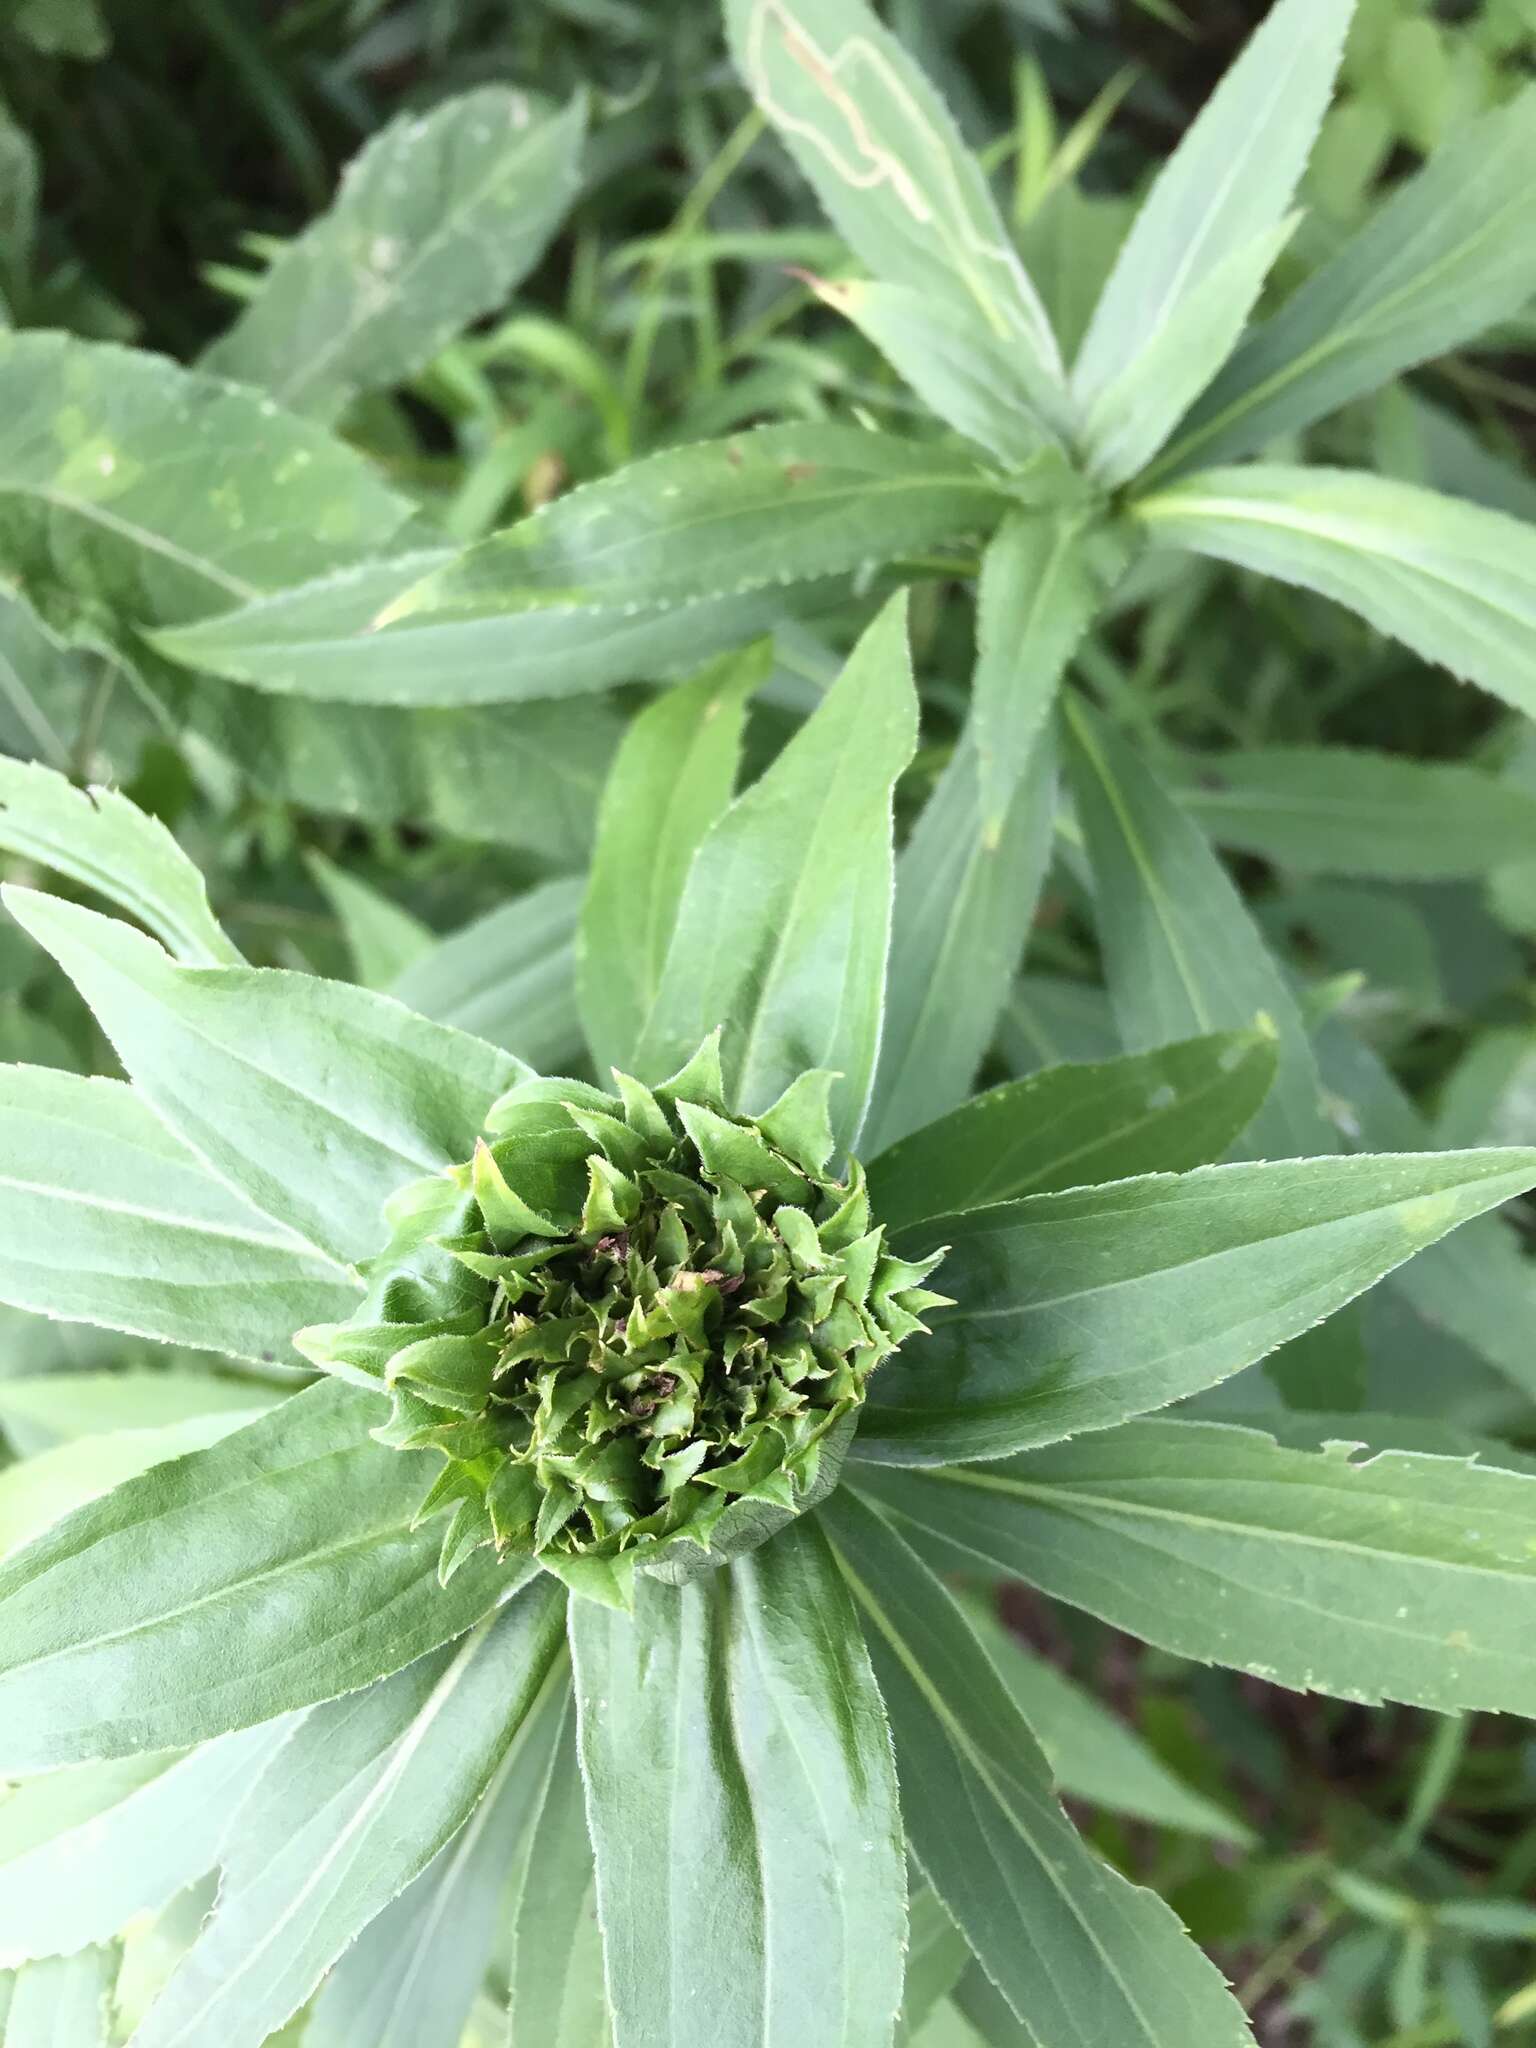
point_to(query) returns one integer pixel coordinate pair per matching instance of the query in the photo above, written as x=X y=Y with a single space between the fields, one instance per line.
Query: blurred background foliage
x=1364 y=1877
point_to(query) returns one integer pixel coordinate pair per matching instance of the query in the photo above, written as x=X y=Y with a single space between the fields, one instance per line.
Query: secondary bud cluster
x=630 y=1320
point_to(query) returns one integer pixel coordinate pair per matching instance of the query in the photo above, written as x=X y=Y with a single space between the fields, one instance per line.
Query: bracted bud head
x=637 y=1327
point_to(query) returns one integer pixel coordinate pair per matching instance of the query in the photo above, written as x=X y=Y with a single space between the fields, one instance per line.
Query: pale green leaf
x=970 y=377
x=1132 y=415
x=36 y=1492
x=64 y=28
x=158 y=494
x=83 y=1851
x=1085 y=1956
x=1394 y=1575
x=383 y=938
x=435 y=222
x=1347 y=811
x=105 y=1217
x=39 y=1410
x=324 y=639
x=784 y=924
x=1227 y=186
x=1072 y=1126
x=1445 y=258
x=1452 y=580
x=317 y=1100
x=411 y=1977
x=44 y=685
x=63 y=2003
x=555 y=1989
x=1092 y=1754
x=99 y=839
x=780 y=504
x=274 y=1570
x=1078 y=1310
x=749 y=1695
x=671 y=780
x=509 y=977
x=1181 y=951
x=937 y=1957
x=889 y=167
x=355 y=1805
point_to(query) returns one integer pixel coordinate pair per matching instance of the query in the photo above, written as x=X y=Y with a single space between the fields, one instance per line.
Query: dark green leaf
x=1080 y=1309
x=1087 y=1957
x=1393 y=1576
x=1071 y=1126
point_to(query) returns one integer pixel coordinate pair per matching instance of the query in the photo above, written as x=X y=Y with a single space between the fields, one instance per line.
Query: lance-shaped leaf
x=1444 y=259
x=1081 y=1955
x=435 y=222
x=316 y=1100
x=45 y=685
x=63 y=2003
x=1073 y=1126
x=1218 y=200
x=1092 y=1754
x=937 y=1958
x=412 y=1976
x=779 y=505
x=1348 y=811
x=101 y=840
x=274 y=1570
x=83 y=1851
x=1077 y=1310
x=1181 y=950
x=323 y=640
x=105 y=1217
x=784 y=923
x=740 y=1710
x=382 y=937
x=889 y=167
x=978 y=381
x=355 y=1805
x=160 y=494
x=508 y=977
x=555 y=1981
x=672 y=779
x=1389 y=1576
x=1452 y=580
x=969 y=877
x=38 y=1491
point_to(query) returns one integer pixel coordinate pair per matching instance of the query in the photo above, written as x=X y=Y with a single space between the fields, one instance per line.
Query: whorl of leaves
x=630 y=1320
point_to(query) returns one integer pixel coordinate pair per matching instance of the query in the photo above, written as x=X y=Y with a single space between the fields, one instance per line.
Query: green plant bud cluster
x=633 y=1324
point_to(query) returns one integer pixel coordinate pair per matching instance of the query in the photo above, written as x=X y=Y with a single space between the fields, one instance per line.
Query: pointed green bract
x=784 y=924
x=436 y=221
x=672 y=779
x=751 y=1698
x=1082 y=1956
x=1227 y=187
x=272 y=1571
x=1386 y=1575
x=637 y=1329
x=312 y=1098
x=1452 y=580
x=1078 y=1310
x=1072 y=1126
